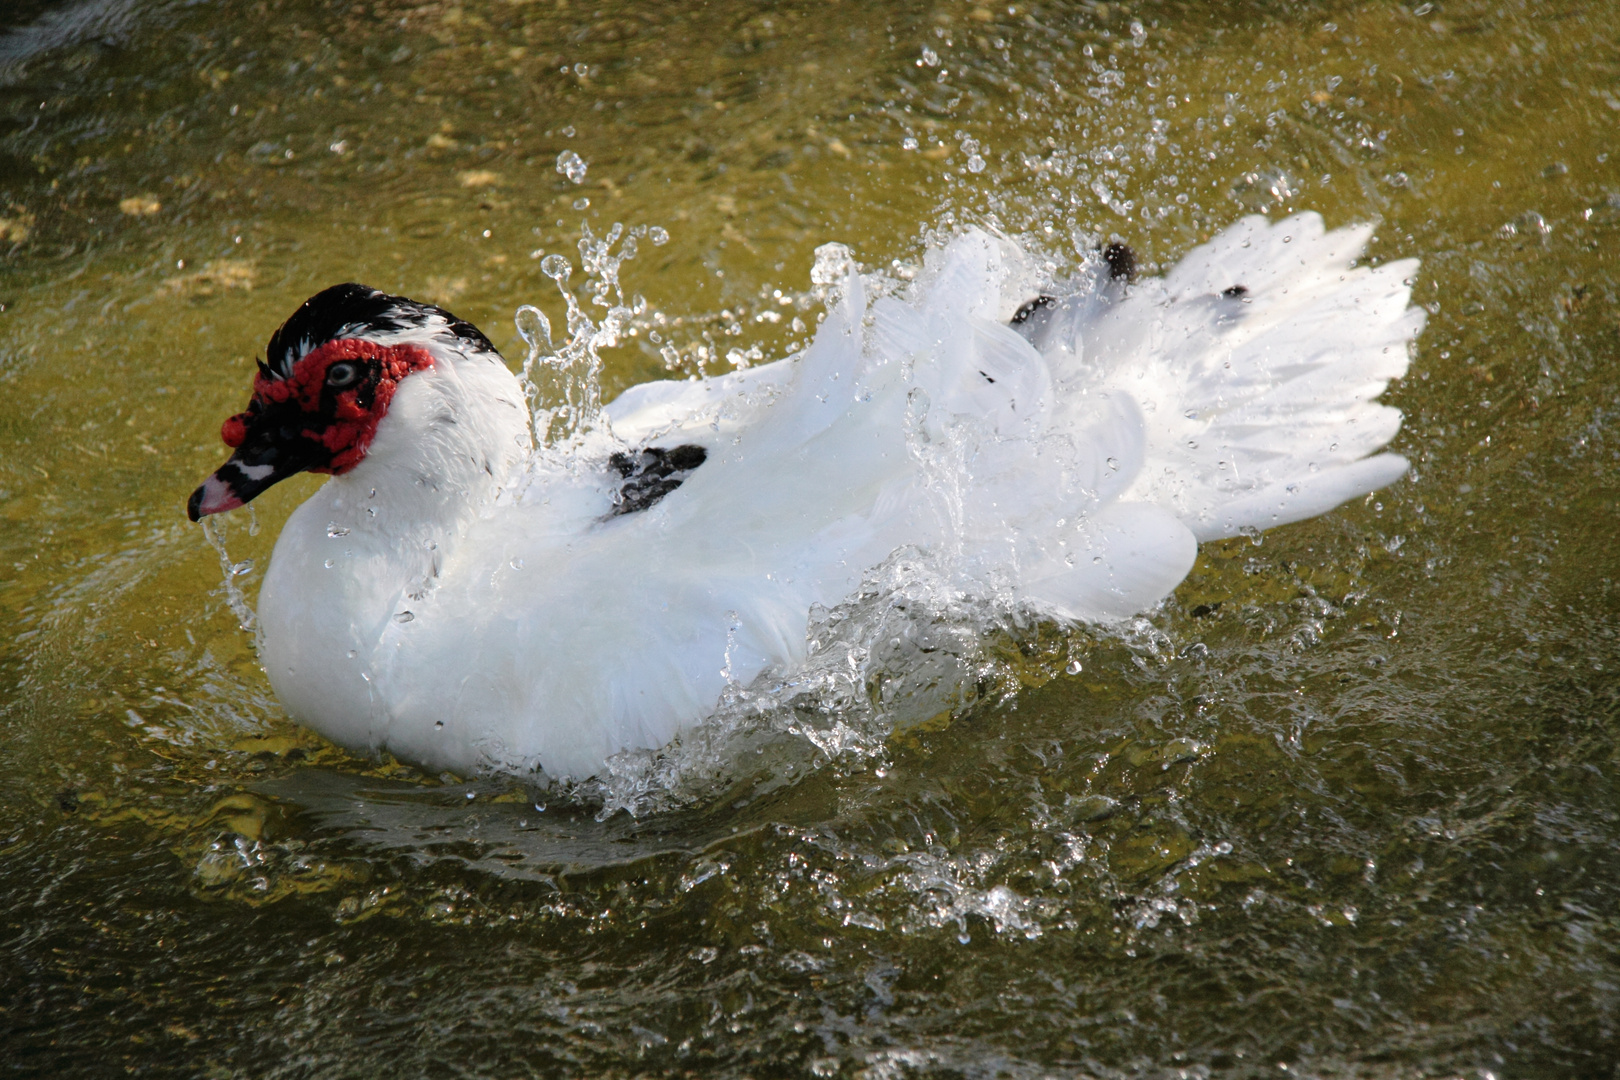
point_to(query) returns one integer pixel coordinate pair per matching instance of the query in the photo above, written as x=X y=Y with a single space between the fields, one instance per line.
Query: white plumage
x=467 y=604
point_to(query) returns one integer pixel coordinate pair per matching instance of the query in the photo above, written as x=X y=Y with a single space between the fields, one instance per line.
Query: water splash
x=215 y=531
x=918 y=641
x=834 y=263
x=907 y=647
x=911 y=646
x=563 y=382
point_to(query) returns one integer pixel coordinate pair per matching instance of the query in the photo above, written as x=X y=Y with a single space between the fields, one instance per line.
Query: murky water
x=1346 y=806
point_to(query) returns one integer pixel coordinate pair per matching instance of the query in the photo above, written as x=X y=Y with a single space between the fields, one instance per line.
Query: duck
x=469 y=599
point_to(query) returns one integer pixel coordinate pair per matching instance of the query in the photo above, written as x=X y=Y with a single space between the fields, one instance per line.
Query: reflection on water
x=1346 y=804
x=505 y=833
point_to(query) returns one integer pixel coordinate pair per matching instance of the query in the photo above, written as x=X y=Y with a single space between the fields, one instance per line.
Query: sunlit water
x=1346 y=805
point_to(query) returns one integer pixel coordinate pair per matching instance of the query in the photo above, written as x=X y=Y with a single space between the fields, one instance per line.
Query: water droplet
x=572 y=166
x=556 y=268
x=241 y=568
x=833 y=263
x=1073 y=668
x=909 y=143
x=930 y=58
x=404 y=617
x=330 y=563
x=975 y=164
x=1113 y=463
x=658 y=235
x=517 y=564
x=1529 y=222
x=334 y=530
x=582 y=203
x=438 y=723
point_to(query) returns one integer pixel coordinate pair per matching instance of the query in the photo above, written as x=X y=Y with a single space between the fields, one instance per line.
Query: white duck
x=465 y=603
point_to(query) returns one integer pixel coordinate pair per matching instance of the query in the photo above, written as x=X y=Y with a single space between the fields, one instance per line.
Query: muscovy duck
x=465 y=602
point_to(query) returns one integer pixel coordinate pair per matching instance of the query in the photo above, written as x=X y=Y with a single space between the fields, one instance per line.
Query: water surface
x=1347 y=805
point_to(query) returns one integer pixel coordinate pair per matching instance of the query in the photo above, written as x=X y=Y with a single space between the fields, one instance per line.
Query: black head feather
x=353 y=310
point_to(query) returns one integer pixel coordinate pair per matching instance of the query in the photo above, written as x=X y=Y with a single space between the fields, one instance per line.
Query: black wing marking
x=651 y=473
x=1032 y=316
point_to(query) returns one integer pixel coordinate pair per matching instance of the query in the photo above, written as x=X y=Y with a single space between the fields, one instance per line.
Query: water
x=1346 y=804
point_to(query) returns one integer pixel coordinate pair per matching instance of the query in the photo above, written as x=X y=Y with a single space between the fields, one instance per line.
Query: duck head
x=330 y=373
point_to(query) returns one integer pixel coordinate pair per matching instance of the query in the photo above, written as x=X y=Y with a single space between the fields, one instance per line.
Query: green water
x=1348 y=806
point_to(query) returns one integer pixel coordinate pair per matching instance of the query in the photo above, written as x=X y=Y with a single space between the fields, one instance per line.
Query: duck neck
x=453 y=435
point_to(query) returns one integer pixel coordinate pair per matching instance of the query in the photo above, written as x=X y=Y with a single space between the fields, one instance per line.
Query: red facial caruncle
x=321 y=418
x=343 y=389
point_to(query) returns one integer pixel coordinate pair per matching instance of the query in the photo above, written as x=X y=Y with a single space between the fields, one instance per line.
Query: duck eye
x=342 y=374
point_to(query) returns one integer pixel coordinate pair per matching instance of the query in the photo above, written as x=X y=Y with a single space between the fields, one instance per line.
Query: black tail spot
x=1121 y=261
x=1023 y=314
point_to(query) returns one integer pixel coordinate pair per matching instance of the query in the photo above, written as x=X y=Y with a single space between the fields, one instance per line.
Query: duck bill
x=270 y=446
x=235 y=483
